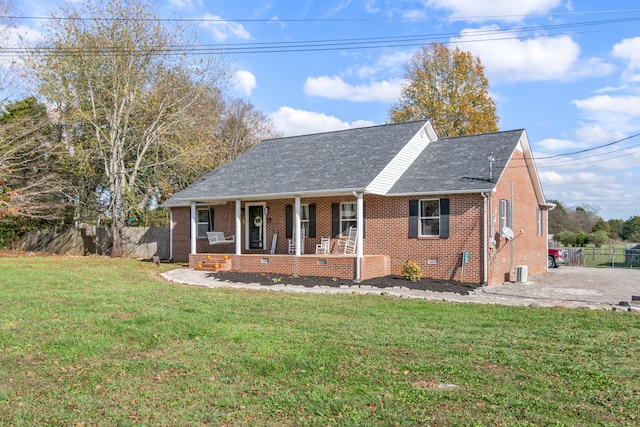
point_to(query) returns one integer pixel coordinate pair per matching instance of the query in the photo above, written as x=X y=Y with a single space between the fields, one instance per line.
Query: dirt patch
x=378 y=282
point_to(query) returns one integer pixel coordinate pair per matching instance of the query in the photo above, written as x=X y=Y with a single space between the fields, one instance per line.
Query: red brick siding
x=528 y=248
x=387 y=235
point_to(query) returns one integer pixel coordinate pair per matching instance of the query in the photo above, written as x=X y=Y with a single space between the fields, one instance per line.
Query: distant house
x=468 y=208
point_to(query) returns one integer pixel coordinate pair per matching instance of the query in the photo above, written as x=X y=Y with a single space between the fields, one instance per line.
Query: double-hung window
x=347 y=218
x=505 y=215
x=304 y=220
x=203 y=222
x=429 y=217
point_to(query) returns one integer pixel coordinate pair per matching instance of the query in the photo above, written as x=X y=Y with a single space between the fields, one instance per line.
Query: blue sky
x=567 y=72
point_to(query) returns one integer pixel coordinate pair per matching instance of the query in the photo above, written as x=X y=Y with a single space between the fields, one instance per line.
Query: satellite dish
x=507 y=233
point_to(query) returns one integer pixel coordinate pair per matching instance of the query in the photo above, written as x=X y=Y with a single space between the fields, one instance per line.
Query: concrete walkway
x=590 y=288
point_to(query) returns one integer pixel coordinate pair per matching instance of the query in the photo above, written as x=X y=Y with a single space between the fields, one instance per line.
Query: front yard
x=96 y=341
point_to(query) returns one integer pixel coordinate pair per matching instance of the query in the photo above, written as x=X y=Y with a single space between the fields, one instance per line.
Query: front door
x=255 y=226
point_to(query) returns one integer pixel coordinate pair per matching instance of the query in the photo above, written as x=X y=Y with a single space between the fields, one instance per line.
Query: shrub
x=411 y=271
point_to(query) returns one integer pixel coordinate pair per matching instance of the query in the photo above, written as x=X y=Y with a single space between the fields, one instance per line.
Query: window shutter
x=211 y=219
x=312 y=221
x=335 y=220
x=444 y=218
x=413 y=219
x=509 y=215
x=289 y=221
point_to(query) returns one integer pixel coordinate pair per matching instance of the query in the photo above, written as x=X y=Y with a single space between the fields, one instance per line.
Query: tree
x=448 y=88
x=123 y=93
x=631 y=229
x=33 y=184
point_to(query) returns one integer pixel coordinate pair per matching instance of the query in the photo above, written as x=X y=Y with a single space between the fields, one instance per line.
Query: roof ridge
x=344 y=130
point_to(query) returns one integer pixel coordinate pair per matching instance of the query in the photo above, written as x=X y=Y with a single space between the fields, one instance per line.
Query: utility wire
x=328 y=44
x=347 y=20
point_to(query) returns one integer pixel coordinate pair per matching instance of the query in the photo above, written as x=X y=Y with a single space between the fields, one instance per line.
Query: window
x=539 y=221
x=430 y=217
x=347 y=218
x=505 y=215
x=203 y=222
x=304 y=220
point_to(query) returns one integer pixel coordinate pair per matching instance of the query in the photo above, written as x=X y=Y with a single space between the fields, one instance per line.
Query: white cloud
x=244 y=81
x=335 y=88
x=389 y=63
x=184 y=4
x=555 y=144
x=508 y=10
x=221 y=30
x=628 y=50
x=291 y=122
x=623 y=106
x=18 y=37
x=536 y=59
x=596 y=133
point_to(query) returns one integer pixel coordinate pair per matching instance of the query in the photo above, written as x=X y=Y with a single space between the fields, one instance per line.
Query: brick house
x=467 y=209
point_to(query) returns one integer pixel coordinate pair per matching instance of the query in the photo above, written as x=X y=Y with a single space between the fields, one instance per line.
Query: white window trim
x=342 y=219
x=420 y=218
x=504 y=214
x=198 y=223
x=304 y=223
x=539 y=221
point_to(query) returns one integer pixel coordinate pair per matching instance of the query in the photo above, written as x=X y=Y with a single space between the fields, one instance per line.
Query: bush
x=411 y=271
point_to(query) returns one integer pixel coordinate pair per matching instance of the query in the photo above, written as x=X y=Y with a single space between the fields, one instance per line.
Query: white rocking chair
x=350 y=243
x=292 y=243
x=322 y=248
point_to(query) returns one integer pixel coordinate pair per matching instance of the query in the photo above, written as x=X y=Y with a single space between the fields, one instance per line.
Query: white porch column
x=194 y=228
x=359 y=236
x=296 y=226
x=238 y=228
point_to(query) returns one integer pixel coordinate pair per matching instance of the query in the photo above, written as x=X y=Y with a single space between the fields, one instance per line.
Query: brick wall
x=387 y=235
x=526 y=248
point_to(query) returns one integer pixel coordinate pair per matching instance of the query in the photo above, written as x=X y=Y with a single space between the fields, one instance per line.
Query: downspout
x=359 y=235
x=238 y=228
x=194 y=229
x=485 y=245
x=170 y=234
x=511 y=219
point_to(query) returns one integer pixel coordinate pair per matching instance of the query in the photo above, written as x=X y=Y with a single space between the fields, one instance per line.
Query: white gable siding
x=383 y=182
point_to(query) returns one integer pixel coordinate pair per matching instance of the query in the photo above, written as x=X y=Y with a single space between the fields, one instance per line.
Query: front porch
x=338 y=266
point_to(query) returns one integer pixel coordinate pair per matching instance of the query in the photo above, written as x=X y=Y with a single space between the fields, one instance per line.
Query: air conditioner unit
x=521 y=273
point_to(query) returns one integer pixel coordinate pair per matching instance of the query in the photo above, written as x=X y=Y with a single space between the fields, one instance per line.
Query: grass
x=95 y=341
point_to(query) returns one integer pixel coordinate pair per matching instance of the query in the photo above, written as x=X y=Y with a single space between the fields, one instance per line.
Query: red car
x=556 y=257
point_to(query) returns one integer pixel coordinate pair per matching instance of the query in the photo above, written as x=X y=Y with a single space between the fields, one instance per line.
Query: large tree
x=123 y=91
x=33 y=184
x=448 y=88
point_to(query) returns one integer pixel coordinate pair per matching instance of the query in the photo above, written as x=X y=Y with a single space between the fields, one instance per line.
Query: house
x=467 y=208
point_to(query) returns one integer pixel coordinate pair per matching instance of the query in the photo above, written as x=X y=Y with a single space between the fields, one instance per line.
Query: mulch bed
x=378 y=282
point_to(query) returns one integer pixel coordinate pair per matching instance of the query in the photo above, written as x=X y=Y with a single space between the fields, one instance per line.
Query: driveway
x=570 y=287
x=575 y=287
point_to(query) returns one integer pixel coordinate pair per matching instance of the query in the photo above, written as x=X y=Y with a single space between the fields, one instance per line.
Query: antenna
x=491 y=160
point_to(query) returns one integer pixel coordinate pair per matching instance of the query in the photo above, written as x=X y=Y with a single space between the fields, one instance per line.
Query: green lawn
x=95 y=341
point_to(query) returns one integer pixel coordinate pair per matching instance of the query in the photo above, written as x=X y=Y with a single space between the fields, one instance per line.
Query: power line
x=346 y=20
x=329 y=44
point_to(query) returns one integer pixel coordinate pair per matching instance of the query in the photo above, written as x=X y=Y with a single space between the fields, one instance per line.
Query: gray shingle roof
x=349 y=160
x=341 y=161
x=459 y=164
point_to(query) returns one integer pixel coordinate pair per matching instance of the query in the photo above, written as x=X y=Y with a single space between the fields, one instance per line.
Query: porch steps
x=215 y=263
